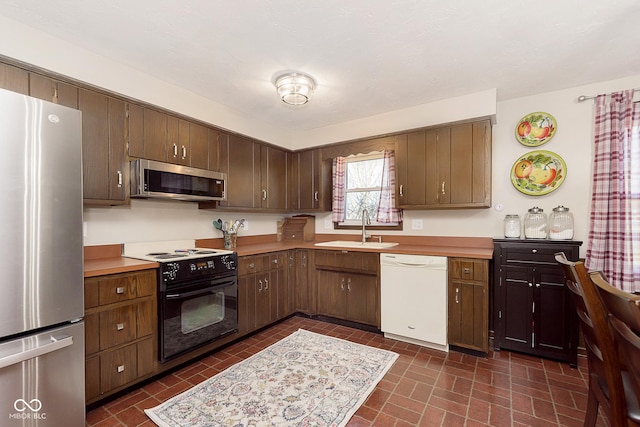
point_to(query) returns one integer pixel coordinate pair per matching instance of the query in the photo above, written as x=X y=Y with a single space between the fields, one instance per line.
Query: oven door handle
x=192 y=293
x=207 y=290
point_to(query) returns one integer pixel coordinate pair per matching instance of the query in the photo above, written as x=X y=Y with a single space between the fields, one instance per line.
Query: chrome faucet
x=365 y=221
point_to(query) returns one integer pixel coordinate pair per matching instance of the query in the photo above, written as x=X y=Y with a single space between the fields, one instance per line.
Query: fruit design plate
x=536 y=129
x=538 y=172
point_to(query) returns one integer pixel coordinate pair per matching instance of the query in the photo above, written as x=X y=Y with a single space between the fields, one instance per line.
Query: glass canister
x=512 y=226
x=535 y=224
x=561 y=224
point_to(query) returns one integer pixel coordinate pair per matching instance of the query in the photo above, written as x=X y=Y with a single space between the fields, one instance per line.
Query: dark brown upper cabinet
x=14 y=79
x=447 y=167
x=104 y=138
x=52 y=90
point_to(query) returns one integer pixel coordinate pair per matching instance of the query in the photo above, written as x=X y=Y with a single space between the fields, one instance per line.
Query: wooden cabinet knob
x=120 y=290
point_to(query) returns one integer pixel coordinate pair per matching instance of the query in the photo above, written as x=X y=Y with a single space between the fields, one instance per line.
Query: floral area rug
x=305 y=379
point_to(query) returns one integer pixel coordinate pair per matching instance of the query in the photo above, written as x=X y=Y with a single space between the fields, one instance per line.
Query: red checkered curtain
x=387 y=212
x=339 y=188
x=614 y=230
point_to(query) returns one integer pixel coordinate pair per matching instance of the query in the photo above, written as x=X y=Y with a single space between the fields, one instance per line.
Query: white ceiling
x=368 y=57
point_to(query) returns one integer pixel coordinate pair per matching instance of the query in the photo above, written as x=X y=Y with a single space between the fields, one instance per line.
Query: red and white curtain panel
x=614 y=230
x=387 y=212
x=339 y=189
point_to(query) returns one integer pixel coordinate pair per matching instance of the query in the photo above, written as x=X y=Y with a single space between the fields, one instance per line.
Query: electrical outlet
x=84 y=229
x=328 y=225
x=416 y=224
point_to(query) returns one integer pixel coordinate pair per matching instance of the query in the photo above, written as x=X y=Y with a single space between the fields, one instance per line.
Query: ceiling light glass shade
x=295 y=88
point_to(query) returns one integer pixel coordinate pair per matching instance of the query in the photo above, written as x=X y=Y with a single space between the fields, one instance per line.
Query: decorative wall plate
x=536 y=129
x=538 y=172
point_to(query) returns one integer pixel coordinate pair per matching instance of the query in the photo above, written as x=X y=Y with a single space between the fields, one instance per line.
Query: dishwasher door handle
x=411 y=264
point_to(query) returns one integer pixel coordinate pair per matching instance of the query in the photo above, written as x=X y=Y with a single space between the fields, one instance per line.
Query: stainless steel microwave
x=151 y=179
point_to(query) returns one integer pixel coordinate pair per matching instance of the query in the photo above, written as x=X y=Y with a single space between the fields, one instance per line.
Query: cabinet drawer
x=117 y=326
x=533 y=254
x=364 y=262
x=250 y=264
x=277 y=260
x=118 y=367
x=118 y=287
x=468 y=269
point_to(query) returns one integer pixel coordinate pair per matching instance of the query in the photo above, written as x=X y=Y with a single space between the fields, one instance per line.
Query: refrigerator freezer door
x=42 y=379
x=41 y=248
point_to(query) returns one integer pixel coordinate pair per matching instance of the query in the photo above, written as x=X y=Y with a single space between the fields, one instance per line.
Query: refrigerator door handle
x=56 y=344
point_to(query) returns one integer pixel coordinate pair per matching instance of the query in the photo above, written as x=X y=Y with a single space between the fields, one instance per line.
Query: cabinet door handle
x=120 y=369
x=401 y=188
x=411 y=327
x=349 y=284
x=534 y=251
x=457 y=295
x=184 y=152
x=342 y=284
x=533 y=339
x=119 y=326
x=530 y=285
x=315 y=196
x=537 y=285
x=175 y=150
x=252 y=265
x=443 y=192
x=55 y=94
x=466 y=270
x=266 y=284
x=304 y=260
x=260 y=282
x=120 y=290
x=119 y=173
x=264 y=194
x=275 y=261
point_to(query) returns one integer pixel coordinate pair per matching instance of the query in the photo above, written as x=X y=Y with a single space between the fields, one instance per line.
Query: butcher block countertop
x=107 y=259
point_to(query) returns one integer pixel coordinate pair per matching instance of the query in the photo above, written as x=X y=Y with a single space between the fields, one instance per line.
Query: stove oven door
x=196 y=313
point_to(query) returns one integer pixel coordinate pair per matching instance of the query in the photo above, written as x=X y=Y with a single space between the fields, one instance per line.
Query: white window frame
x=358 y=222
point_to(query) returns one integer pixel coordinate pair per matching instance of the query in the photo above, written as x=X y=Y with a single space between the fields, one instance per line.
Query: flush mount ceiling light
x=295 y=88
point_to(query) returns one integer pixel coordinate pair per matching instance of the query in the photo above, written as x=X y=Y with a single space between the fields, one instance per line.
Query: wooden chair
x=624 y=305
x=629 y=345
x=606 y=388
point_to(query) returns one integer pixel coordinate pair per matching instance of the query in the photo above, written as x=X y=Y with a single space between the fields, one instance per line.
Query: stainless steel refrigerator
x=41 y=264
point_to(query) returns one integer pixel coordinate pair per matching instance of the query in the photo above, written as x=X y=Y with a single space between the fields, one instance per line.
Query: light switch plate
x=328 y=225
x=416 y=224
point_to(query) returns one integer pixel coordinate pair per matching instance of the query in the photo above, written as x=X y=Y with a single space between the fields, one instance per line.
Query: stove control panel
x=188 y=269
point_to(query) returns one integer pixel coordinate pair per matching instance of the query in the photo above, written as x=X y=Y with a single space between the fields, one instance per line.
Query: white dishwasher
x=414 y=299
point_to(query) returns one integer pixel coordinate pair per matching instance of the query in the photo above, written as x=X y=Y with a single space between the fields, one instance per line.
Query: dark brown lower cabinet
x=263 y=290
x=348 y=285
x=120 y=331
x=468 y=308
x=533 y=310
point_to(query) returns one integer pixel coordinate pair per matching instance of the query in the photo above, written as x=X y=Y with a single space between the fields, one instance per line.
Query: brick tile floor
x=424 y=387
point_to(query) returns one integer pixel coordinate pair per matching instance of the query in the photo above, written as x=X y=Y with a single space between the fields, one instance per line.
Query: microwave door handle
x=56 y=343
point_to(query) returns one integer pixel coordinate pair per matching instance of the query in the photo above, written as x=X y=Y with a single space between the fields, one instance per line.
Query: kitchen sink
x=354 y=244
